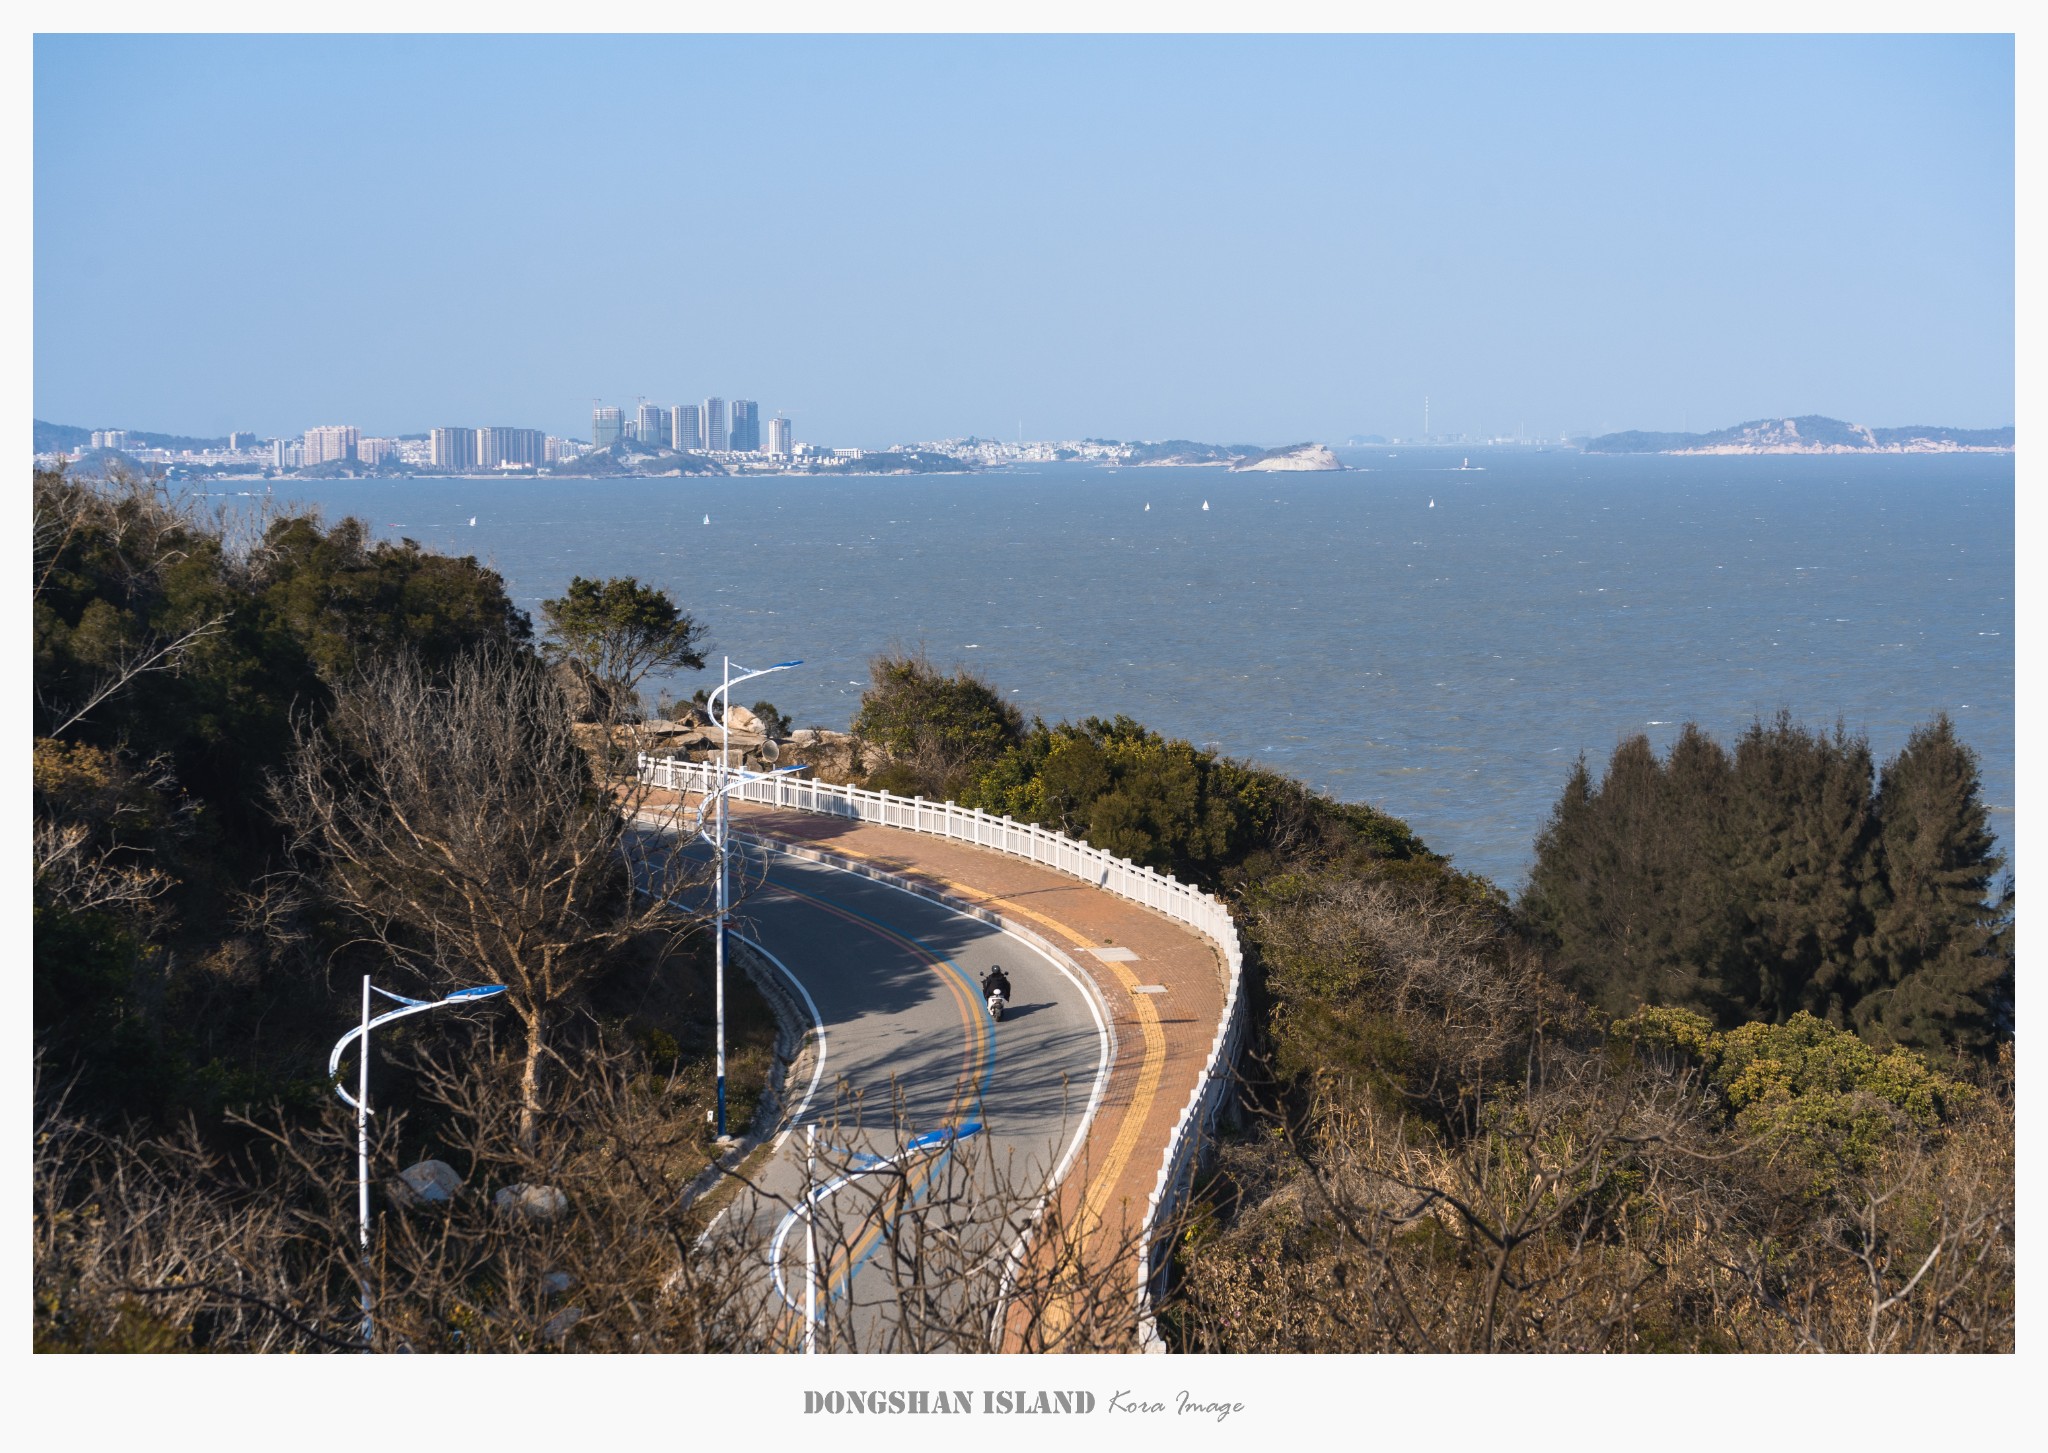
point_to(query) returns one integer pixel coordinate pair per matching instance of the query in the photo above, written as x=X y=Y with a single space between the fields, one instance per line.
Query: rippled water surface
x=1440 y=642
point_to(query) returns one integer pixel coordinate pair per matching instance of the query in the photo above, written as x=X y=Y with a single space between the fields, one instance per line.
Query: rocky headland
x=1292 y=458
x=1810 y=434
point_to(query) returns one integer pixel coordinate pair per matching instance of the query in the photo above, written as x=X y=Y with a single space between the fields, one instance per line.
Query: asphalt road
x=938 y=1132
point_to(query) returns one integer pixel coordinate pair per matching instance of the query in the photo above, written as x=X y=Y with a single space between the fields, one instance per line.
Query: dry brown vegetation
x=1451 y=1155
x=169 y=1243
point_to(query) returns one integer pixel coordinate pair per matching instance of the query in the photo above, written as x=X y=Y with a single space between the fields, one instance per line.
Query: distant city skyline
x=1256 y=239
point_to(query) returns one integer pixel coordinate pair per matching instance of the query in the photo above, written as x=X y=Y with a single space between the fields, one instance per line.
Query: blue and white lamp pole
x=721 y=701
x=360 y=1101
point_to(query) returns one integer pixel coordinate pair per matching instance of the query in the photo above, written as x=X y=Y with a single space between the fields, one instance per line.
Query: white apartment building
x=330 y=441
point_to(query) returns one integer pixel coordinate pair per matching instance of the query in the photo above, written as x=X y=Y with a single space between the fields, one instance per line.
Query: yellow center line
x=1150 y=1070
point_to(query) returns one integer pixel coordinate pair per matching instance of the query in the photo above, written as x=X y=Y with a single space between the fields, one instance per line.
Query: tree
x=940 y=731
x=1629 y=888
x=460 y=824
x=1939 y=964
x=620 y=631
x=1779 y=882
x=1805 y=868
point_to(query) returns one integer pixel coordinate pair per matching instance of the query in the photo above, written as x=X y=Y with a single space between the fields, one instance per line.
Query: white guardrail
x=1196 y=1127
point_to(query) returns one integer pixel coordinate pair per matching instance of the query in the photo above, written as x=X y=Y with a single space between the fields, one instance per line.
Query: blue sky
x=1241 y=239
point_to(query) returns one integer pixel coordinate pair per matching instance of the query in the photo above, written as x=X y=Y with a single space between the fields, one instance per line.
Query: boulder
x=536 y=1203
x=589 y=698
x=742 y=720
x=429 y=1183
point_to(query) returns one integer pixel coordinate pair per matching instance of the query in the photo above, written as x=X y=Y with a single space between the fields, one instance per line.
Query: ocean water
x=1438 y=641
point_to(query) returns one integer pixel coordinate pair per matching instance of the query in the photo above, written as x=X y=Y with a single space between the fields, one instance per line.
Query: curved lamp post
x=720 y=699
x=814 y=1193
x=360 y=1101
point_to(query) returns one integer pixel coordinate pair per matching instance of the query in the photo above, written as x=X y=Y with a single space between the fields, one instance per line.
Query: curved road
x=939 y=1133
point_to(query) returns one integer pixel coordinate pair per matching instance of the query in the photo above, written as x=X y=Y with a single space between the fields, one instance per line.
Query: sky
x=1231 y=239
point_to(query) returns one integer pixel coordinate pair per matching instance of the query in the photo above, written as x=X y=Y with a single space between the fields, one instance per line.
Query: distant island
x=1291 y=458
x=1809 y=434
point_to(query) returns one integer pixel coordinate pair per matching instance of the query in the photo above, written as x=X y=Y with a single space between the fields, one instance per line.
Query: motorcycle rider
x=995 y=981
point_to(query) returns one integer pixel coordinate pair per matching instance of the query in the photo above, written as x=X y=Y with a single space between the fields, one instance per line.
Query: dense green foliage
x=620 y=631
x=175 y=962
x=937 y=731
x=1817 y=1094
x=1167 y=804
x=1782 y=879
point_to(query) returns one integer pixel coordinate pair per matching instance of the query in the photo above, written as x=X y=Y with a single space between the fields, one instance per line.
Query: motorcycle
x=998 y=998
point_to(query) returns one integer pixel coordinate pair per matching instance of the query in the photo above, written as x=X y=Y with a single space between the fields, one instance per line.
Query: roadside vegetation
x=1733 y=1073
x=272 y=755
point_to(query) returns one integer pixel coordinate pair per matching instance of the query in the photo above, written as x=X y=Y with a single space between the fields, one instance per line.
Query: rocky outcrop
x=1294 y=458
x=429 y=1183
x=589 y=698
x=535 y=1203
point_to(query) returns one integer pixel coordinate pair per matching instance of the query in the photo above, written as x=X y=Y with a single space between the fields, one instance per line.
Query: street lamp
x=360 y=1102
x=815 y=1193
x=721 y=700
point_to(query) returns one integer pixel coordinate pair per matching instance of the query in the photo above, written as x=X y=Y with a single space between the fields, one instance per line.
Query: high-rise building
x=652 y=423
x=238 y=440
x=376 y=451
x=714 y=426
x=778 y=436
x=746 y=427
x=284 y=453
x=499 y=448
x=686 y=426
x=452 y=448
x=607 y=426
x=110 y=438
x=330 y=441
x=557 y=451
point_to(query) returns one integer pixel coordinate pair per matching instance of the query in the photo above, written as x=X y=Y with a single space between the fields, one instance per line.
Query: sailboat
x=1205 y=504
x=707 y=519
x=1148 y=507
x=1432 y=504
x=472 y=521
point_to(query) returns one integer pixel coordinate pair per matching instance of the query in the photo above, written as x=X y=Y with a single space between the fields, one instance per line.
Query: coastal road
x=939 y=1133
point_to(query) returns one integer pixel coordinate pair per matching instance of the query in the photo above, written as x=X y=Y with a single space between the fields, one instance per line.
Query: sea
x=1437 y=633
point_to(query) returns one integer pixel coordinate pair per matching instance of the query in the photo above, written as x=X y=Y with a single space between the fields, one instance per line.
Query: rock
x=536 y=1203
x=557 y=1282
x=555 y=1328
x=430 y=1183
x=589 y=699
x=742 y=720
x=1294 y=458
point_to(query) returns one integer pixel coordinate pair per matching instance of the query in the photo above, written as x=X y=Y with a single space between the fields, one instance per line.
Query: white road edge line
x=1105 y=1034
x=817 y=1025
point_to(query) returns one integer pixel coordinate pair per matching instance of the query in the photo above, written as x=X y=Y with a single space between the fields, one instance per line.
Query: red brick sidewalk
x=1164 y=985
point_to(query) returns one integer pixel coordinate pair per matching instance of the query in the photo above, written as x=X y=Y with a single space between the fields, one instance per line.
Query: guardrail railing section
x=1196 y=1128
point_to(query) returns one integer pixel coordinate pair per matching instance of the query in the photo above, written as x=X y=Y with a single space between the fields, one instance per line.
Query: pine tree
x=1941 y=953
x=1708 y=924
x=1804 y=865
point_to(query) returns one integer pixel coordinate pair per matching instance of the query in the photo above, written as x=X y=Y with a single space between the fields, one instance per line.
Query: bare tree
x=580 y=1236
x=459 y=821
